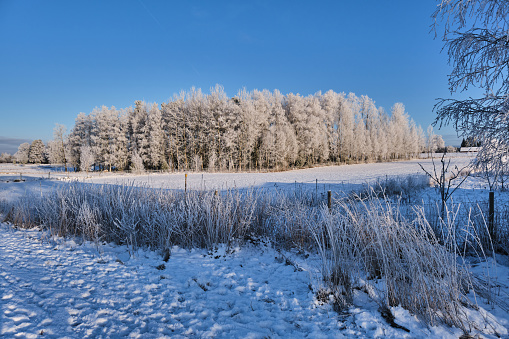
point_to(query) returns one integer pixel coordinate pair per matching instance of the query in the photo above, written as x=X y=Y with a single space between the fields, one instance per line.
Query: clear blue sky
x=59 y=58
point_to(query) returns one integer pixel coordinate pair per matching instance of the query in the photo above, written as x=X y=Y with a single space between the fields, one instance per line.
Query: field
x=264 y=258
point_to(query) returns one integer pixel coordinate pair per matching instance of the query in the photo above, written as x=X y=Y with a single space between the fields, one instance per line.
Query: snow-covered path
x=68 y=290
x=54 y=288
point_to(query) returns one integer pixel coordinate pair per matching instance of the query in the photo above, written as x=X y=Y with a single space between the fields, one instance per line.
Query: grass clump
x=368 y=245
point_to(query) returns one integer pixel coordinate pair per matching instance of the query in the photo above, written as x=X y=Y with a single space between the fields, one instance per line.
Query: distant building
x=469 y=149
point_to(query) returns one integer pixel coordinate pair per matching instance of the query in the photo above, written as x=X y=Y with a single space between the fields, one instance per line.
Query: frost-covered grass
x=137 y=216
x=369 y=245
x=364 y=244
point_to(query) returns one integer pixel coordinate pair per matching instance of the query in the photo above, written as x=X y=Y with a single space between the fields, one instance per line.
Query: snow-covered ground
x=328 y=175
x=53 y=287
x=344 y=177
x=59 y=289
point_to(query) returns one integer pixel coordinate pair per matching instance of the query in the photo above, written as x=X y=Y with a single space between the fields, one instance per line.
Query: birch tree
x=155 y=138
x=60 y=137
x=476 y=35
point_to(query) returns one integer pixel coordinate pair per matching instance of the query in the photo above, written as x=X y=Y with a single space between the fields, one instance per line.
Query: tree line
x=251 y=131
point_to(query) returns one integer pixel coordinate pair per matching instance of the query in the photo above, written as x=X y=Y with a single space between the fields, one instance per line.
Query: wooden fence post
x=491 y=216
x=185 y=184
x=329 y=200
x=316 y=191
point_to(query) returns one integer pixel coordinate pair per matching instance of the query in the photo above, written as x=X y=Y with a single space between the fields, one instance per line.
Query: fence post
x=329 y=200
x=185 y=185
x=316 y=190
x=491 y=216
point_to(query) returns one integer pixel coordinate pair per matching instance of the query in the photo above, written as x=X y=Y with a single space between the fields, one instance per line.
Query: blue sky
x=59 y=58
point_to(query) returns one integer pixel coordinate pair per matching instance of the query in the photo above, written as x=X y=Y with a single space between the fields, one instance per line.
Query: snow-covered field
x=329 y=177
x=52 y=287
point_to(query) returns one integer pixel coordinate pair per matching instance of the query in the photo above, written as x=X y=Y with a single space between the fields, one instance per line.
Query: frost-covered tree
x=262 y=107
x=139 y=131
x=438 y=143
x=476 y=35
x=6 y=157
x=310 y=125
x=361 y=138
x=60 y=137
x=330 y=102
x=53 y=150
x=279 y=146
x=118 y=139
x=254 y=129
x=156 y=138
x=383 y=135
x=36 y=152
x=202 y=132
x=248 y=129
x=101 y=137
x=346 y=125
x=174 y=125
x=400 y=131
x=86 y=158
x=224 y=115
x=434 y=142
x=137 y=163
x=81 y=135
x=22 y=154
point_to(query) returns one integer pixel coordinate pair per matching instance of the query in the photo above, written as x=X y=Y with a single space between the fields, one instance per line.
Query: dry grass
x=368 y=245
x=364 y=244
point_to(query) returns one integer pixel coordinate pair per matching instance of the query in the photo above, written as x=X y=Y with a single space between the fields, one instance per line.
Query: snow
x=344 y=177
x=61 y=289
x=332 y=177
x=55 y=288
x=58 y=288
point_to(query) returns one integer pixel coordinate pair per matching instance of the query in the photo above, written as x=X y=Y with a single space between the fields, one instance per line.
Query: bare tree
x=476 y=38
x=445 y=179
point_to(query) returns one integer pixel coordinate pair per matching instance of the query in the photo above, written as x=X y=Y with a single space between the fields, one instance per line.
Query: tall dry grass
x=398 y=259
x=369 y=245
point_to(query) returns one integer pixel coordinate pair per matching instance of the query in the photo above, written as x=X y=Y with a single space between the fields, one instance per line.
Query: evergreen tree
x=36 y=152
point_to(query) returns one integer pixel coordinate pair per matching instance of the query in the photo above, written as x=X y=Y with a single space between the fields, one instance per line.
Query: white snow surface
x=66 y=288
x=55 y=288
x=343 y=177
